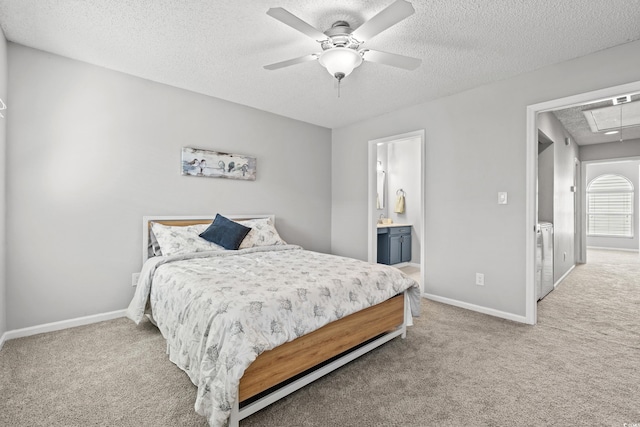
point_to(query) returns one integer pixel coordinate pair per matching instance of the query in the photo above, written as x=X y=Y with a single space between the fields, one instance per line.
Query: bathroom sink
x=385 y=221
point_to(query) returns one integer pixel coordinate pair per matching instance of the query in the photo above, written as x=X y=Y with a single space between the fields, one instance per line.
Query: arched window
x=610 y=206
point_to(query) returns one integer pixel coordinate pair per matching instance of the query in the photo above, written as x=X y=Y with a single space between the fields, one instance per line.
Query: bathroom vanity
x=394 y=243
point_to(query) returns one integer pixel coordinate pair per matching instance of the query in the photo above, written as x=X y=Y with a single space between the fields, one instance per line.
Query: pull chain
x=339 y=76
x=621 y=123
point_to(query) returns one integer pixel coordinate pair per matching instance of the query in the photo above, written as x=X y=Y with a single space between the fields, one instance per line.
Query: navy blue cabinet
x=394 y=245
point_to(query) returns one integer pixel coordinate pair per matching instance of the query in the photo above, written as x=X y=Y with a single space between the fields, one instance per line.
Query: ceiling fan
x=342 y=49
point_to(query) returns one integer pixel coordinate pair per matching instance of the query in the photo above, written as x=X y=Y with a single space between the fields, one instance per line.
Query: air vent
x=622 y=99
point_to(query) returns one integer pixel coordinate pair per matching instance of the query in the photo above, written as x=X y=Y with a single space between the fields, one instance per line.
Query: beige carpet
x=580 y=366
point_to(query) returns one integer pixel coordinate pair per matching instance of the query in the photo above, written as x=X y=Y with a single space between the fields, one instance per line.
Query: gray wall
x=475 y=147
x=3 y=127
x=628 y=169
x=90 y=151
x=611 y=150
x=545 y=184
x=564 y=211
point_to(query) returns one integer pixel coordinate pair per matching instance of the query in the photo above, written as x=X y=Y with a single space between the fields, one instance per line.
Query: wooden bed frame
x=279 y=372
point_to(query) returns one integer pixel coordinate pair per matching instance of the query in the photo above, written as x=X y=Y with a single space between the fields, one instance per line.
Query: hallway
x=599 y=299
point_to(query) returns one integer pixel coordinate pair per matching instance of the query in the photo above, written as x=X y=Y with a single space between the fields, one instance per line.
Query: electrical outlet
x=479 y=279
x=134 y=279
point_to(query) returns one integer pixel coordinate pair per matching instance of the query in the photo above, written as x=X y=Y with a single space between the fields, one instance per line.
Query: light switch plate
x=134 y=279
x=502 y=198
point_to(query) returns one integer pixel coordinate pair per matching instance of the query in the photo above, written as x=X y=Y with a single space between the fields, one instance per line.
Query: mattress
x=219 y=310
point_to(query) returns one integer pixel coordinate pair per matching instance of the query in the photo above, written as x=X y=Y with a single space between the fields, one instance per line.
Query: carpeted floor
x=580 y=366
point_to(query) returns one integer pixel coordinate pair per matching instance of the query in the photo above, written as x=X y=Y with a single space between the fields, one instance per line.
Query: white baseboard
x=602 y=248
x=405 y=264
x=478 y=308
x=63 y=324
x=555 y=285
x=399 y=265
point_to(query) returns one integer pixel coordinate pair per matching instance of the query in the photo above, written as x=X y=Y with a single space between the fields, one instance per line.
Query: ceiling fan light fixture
x=340 y=61
x=341 y=45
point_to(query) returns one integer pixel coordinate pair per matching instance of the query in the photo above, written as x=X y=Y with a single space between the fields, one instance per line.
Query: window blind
x=610 y=206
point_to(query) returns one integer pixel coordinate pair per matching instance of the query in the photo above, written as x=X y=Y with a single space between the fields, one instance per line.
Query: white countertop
x=393 y=225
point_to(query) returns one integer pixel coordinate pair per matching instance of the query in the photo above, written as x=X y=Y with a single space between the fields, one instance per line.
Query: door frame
x=578 y=185
x=371 y=171
x=531 y=312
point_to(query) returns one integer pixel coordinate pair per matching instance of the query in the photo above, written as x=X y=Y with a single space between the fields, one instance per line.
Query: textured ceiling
x=576 y=124
x=219 y=48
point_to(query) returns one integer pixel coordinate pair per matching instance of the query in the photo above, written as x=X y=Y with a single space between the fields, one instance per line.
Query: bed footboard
x=374 y=326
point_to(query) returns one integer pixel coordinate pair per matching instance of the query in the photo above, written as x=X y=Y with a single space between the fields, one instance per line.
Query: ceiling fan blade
x=296 y=23
x=395 y=60
x=293 y=61
x=386 y=18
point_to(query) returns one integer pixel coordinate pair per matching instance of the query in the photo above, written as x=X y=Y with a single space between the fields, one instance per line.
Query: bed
x=252 y=325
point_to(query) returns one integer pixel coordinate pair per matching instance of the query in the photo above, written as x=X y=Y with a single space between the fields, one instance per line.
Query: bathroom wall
x=404 y=173
x=384 y=206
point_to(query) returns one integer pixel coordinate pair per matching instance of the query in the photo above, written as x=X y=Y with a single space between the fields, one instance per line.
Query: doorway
x=531 y=183
x=388 y=159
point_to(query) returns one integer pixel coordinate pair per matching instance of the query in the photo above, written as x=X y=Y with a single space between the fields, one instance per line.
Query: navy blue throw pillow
x=225 y=233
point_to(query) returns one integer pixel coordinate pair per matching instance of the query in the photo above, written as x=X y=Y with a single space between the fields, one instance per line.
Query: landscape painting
x=213 y=164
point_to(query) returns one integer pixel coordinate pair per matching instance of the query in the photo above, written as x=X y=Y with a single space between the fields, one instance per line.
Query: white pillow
x=182 y=240
x=263 y=233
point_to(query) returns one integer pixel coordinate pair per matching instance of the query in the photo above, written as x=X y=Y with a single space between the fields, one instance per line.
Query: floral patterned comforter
x=219 y=310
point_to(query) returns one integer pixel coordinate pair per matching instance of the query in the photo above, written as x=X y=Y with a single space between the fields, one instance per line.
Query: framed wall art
x=214 y=164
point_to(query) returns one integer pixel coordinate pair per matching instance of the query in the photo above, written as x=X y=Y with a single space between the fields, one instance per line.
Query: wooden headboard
x=183 y=221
